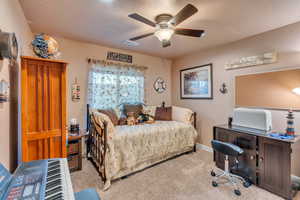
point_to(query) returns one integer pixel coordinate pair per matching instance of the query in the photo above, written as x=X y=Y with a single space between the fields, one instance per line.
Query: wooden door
x=43 y=109
x=275 y=166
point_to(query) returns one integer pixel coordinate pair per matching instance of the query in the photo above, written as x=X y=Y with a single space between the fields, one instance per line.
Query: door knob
x=252 y=157
x=261 y=159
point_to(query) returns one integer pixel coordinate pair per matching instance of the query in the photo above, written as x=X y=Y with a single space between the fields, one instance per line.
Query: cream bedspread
x=133 y=148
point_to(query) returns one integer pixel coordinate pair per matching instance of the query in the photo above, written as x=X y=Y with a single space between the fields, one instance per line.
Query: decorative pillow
x=136 y=109
x=163 y=113
x=122 y=121
x=182 y=114
x=118 y=112
x=99 y=119
x=112 y=115
x=150 y=110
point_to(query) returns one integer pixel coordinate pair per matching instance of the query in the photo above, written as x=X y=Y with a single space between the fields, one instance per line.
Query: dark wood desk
x=266 y=161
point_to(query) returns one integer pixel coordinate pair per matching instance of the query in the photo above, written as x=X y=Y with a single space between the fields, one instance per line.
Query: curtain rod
x=107 y=63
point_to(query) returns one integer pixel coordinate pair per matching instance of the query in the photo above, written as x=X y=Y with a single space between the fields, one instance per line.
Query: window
x=110 y=86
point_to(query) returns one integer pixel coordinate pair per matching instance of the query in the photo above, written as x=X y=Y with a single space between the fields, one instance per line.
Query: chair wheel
x=247 y=184
x=212 y=173
x=237 y=192
x=215 y=184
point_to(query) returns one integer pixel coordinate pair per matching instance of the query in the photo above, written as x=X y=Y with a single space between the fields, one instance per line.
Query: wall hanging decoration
x=160 y=85
x=3 y=91
x=196 y=82
x=119 y=57
x=75 y=91
x=266 y=58
x=8 y=46
x=45 y=46
x=223 y=89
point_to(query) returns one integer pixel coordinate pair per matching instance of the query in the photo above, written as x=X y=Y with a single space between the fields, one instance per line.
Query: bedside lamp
x=296 y=90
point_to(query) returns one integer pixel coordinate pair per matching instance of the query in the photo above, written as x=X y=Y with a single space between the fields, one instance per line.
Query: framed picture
x=160 y=85
x=196 y=82
x=75 y=91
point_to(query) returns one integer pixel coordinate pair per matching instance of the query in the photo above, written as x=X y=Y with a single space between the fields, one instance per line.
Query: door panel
x=32 y=97
x=43 y=107
x=274 y=165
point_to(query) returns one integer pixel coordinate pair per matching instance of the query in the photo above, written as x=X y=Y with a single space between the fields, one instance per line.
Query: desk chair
x=227 y=150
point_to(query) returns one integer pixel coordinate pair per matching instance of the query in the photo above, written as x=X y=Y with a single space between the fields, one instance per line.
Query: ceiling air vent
x=130 y=43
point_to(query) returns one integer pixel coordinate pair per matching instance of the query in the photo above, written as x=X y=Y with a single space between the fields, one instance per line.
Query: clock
x=8 y=45
x=160 y=85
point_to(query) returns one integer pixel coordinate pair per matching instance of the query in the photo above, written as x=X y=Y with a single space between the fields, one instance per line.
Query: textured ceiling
x=106 y=22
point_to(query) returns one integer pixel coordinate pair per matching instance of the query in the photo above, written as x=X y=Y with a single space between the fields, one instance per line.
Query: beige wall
x=76 y=54
x=286 y=41
x=11 y=20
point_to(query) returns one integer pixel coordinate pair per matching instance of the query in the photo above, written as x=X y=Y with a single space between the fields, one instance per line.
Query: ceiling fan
x=166 y=25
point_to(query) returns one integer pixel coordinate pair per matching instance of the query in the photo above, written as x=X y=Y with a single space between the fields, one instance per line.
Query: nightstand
x=74 y=149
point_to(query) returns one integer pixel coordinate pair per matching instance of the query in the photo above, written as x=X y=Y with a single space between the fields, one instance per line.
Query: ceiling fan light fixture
x=166 y=25
x=164 y=34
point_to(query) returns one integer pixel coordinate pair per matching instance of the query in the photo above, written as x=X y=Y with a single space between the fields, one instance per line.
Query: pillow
x=122 y=120
x=98 y=119
x=150 y=110
x=163 y=113
x=182 y=114
x=136 y=109
x=111 y=114
x=118 y=112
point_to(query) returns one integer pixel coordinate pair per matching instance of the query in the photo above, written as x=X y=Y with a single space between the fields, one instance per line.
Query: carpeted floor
x=184 y=178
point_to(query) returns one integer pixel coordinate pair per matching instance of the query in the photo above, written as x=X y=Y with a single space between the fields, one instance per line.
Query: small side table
x=74 y=149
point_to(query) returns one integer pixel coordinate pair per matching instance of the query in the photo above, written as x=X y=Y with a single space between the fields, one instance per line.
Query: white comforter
x=135 y=147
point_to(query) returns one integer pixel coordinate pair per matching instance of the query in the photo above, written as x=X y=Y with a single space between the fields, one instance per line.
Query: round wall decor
x=160 y=85
x=45 y=46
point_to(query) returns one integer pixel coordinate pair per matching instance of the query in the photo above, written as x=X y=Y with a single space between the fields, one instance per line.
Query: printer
x=252 y=118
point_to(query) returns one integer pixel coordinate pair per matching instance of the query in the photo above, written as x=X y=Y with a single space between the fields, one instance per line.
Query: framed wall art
x=196 y=82
x=119 y=57
x=160 y=85
x=4 y=87
x=75 y=91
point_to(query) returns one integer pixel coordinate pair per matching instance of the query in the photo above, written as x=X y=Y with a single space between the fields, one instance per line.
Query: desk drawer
x=73 y=162
x=245 y=141
x=73 y=147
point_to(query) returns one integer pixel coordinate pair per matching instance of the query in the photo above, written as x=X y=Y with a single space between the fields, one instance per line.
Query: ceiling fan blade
x=166 y=43
x=183 y=14
x=189 y=32
x=141 y=36
x=141 y=19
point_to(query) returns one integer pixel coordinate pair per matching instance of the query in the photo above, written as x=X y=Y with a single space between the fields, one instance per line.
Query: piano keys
x=42 y=179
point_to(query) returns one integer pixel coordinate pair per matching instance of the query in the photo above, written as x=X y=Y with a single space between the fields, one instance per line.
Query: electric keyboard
x=42 y=179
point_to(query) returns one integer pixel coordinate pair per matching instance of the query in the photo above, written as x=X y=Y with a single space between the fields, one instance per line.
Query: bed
x=134 y=148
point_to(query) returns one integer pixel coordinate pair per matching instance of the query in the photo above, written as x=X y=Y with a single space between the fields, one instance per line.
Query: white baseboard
x=204 y=147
